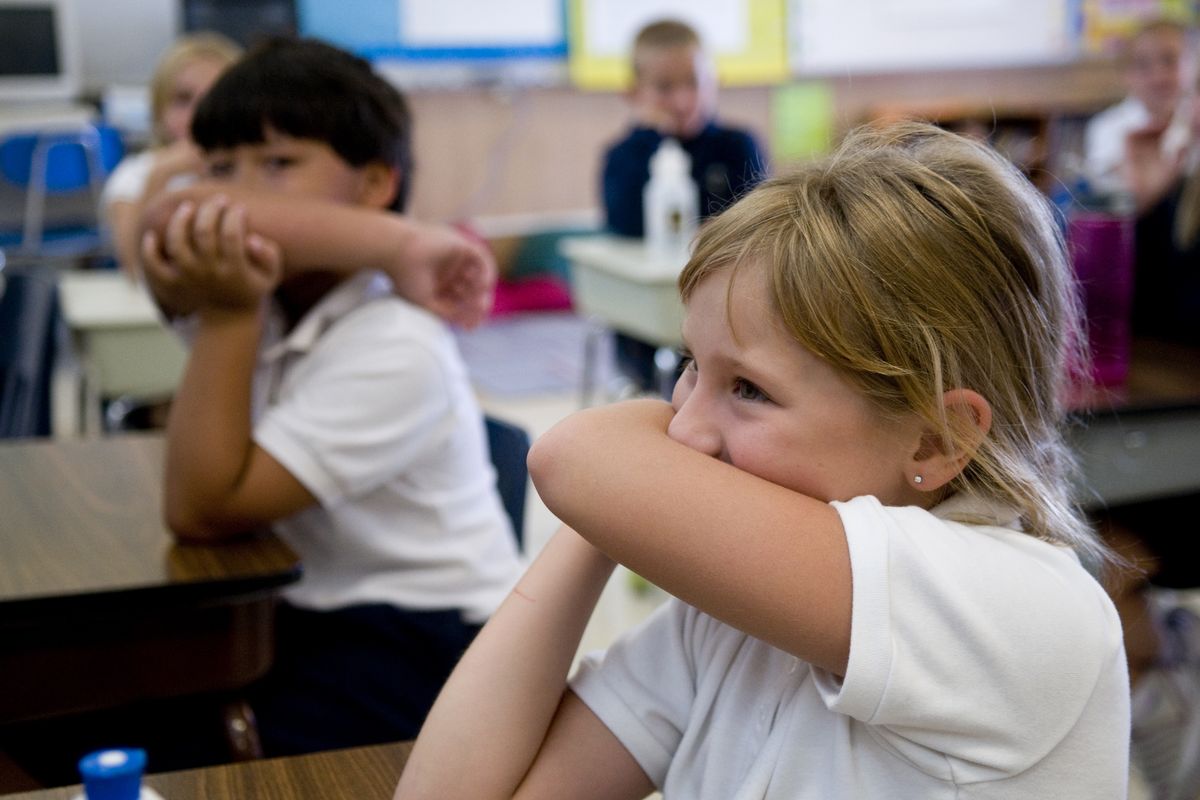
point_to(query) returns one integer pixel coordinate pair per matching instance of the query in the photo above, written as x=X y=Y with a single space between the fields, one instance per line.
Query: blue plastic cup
x=114 y=774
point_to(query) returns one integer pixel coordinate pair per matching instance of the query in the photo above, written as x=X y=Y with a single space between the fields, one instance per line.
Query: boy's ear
x=936 y=460
x=380 y=183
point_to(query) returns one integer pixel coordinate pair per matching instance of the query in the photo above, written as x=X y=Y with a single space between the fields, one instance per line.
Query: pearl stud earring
x=918 y=479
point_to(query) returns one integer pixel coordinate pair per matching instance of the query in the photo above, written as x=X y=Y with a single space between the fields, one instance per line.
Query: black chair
x=28 y=331
x=509 y=445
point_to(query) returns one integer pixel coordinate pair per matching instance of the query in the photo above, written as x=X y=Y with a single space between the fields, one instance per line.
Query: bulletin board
x=850 y=36
x=746 y=36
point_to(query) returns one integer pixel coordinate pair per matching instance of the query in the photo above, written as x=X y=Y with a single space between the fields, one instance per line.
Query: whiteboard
x=841 y=36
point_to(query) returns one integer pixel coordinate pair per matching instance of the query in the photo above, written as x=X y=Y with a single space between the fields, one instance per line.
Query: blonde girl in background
x=859 y=500
x=182 y=77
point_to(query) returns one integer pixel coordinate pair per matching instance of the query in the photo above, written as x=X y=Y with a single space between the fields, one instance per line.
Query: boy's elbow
x=187 y=524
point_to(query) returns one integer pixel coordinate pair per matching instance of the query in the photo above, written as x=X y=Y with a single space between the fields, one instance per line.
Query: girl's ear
x=380 y=183
x=937 y=460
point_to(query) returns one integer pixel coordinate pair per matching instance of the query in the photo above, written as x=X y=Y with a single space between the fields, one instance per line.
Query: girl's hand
x=208 y=259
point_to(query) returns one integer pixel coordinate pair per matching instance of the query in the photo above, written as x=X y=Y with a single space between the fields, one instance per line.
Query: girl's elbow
x=548 y=460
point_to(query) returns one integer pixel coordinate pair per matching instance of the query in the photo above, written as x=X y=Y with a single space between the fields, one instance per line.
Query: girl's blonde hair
x=184 y=51
x=916 y=261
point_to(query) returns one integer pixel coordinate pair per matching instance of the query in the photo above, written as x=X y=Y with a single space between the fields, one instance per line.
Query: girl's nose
x=694 y=425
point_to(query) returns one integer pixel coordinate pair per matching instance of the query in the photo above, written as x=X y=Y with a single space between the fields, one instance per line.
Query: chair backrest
x=509 y=445
x=52 y=162
x=69 y=167
x=28 y=320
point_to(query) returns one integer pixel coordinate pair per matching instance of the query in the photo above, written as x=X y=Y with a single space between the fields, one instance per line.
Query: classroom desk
x=121 y=348
x=359 y=773
x=1137 y=442
x=624 y=286
x=99 y=606
x=1141 y=441
x=628 y=286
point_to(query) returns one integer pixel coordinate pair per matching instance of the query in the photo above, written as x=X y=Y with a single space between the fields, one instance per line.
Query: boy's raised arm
x=218 y=482
x=432 y=266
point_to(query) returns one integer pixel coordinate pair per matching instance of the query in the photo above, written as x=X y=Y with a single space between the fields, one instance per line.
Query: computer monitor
x=39 y=51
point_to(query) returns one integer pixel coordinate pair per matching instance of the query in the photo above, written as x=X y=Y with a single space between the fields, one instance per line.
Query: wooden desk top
x=356 y=774
x=83 y=519
x=99 y=606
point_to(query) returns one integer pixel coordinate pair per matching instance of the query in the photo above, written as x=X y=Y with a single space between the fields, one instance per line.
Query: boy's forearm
x=209 y=430
x=312 y=234
x=501 y=698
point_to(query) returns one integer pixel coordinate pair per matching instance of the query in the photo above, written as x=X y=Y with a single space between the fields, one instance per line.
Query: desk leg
x=93 y=425
x=66 y=396
x=591 y=360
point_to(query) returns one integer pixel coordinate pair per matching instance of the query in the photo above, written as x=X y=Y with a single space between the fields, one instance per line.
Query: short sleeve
x=982 y=644
x=643 y=687
x=369 y=402
x=128 y=180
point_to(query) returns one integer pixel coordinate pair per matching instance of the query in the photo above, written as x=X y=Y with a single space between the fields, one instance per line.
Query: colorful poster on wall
x=1107 y=23
x=747 y=38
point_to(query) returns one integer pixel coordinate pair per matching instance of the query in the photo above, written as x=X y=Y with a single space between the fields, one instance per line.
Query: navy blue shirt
x=1166 y=296
x=726 y=163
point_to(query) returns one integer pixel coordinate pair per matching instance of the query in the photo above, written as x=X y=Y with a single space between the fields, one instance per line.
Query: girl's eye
x=686 y=361
x=745 y=390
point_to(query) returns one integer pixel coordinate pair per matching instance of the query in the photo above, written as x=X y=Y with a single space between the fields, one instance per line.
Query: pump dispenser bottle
x=670 y=200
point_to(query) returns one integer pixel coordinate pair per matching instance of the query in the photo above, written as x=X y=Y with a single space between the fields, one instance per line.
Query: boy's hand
x=1149 y=172
x=207 y=259
x=648 y=113
x=445 y=272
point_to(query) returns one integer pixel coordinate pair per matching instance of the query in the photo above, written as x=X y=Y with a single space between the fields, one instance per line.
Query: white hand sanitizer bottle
x=670 y=200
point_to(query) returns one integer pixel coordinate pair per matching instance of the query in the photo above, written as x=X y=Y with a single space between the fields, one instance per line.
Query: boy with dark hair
x=319 y=403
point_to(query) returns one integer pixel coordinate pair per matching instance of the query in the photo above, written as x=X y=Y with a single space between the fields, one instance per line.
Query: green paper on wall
x=801 y=121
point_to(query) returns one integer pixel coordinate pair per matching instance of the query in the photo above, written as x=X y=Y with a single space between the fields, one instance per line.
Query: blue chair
x=28 y=332
x=54 y=163
x=509 y=446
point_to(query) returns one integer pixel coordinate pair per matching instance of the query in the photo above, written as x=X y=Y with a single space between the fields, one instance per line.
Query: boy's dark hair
x=308 y=89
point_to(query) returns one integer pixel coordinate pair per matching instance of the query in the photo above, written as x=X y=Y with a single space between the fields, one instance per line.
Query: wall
x=510 y=154
x=121 y=41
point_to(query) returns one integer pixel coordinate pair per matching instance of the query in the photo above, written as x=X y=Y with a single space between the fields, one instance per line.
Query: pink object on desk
x=531 y=294
x=1102 y=254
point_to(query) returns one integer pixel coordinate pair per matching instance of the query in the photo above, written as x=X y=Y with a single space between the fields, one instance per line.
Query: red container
x=1102 y=254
